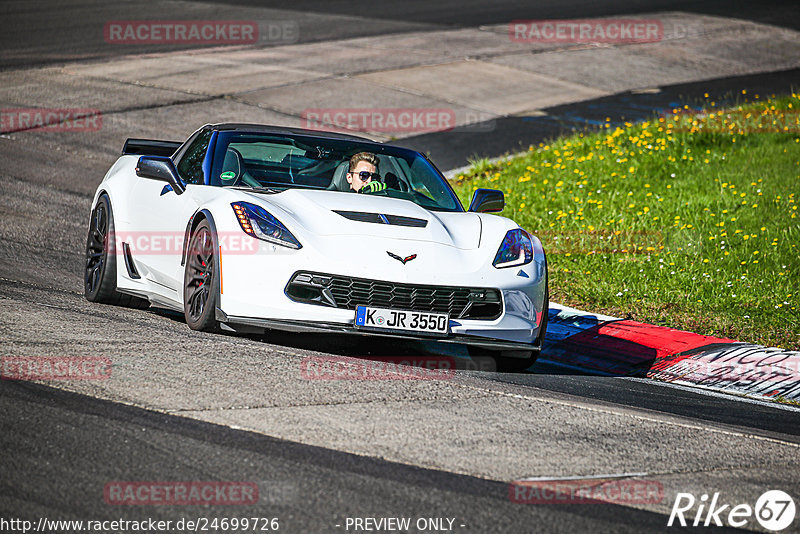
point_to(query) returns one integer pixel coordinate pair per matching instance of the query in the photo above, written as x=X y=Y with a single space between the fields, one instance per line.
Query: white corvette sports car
x=246 y=228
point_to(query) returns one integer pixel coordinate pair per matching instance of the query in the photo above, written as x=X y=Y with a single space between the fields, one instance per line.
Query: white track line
x=580 y=477
x=703 y=390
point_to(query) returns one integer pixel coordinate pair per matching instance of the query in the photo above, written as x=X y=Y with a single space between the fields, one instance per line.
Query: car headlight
x=259 y=223
x=516 y=249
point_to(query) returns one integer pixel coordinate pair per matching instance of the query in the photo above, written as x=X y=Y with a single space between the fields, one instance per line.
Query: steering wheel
x=392 y=181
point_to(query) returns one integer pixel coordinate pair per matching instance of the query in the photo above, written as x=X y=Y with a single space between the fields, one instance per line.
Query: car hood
x=327 y=213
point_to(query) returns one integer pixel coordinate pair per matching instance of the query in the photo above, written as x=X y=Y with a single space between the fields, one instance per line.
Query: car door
x=159 y=217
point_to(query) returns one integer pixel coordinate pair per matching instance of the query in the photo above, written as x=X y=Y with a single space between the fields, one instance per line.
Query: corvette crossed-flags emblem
x=402 y=260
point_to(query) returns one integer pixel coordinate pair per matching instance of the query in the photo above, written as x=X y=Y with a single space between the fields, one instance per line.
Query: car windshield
x=286 y=161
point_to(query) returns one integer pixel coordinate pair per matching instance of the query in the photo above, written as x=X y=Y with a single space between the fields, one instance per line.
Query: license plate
x=402 y=320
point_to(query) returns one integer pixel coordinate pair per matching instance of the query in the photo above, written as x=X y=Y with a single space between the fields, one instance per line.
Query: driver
x=363 y=175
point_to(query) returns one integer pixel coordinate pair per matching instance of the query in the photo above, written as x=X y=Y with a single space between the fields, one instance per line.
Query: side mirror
x=487 y=200
x=162 y=169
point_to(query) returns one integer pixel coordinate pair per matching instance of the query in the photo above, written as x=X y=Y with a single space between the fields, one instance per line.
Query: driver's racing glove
x=372 y=187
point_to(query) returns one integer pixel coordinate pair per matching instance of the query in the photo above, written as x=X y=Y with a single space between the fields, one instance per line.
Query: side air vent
x=380 y=218
x=399 y=220
x=361 y=216
x=129 y=265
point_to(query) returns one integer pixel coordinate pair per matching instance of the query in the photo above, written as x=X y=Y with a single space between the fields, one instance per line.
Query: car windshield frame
x=425 y=185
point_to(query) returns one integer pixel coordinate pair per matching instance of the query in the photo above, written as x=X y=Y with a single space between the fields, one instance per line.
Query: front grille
x=346 y=292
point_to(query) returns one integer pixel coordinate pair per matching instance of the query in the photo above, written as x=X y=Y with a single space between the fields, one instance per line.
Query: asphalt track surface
x=52 y=31
x=310 y=489
x=60 y=448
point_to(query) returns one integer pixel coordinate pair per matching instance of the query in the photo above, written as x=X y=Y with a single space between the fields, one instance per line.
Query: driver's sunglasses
x=366 y=175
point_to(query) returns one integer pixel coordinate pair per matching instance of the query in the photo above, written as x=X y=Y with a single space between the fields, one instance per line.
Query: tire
x=516 y=361
x=100 y=268
x=201 y=280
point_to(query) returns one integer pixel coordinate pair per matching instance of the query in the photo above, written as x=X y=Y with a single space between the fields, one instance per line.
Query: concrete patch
x=349 y=93
x=694 y=47
x=350 y=56
x=56 y=88
x=204 y=74
x=600 y=67
x=485 y=86
x=455 y=44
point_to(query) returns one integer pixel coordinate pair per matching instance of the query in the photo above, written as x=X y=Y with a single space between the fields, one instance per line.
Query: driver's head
x=363 y=169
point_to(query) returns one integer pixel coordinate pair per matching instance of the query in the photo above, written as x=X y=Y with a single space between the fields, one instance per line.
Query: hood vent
x=380 y=218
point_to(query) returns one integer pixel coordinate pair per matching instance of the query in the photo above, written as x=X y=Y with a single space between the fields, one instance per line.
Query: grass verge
x=689 y=220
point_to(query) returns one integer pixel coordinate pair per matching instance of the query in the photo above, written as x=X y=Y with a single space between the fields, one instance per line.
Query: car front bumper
x=254 y=324
x=253 y=289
